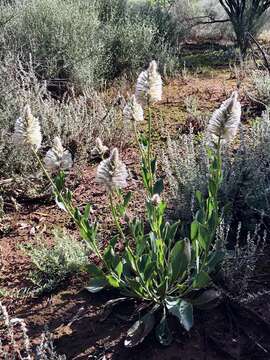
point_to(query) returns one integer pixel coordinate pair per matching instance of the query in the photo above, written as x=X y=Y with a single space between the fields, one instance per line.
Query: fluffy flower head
x=27 y=129
x=149 y=85
x=112 y=172
x=225 y=120
x=133 y=111
x=156 y=199
x=99 y=150
x=57 y=158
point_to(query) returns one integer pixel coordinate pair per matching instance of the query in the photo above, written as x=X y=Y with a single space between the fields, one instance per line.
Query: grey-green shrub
x=245 y=191
x=52 y=265
x=261 y=86
x=78 y=120
x=61 y=36
x=84 y=42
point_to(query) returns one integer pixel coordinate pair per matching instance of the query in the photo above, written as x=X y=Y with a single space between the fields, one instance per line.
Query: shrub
x=244 y=190
x=60 y=36
x=78 y=120
x=86 y=43
x=52 y=265
x=261 y=86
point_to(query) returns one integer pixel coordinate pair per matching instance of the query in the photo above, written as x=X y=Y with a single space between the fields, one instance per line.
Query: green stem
x=115 y=218
x=149 y=153
x=137 y=139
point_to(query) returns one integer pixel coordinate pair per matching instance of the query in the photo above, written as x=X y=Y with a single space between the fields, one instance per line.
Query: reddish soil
x=75 y=317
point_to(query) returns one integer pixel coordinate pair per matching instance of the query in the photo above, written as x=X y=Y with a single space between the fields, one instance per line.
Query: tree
x=246 y=17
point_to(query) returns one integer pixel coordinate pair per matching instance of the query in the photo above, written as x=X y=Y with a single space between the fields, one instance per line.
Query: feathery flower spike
x=112 y=172
x=27 y=129
x=225 y=120
x=57 y=158
x=99 y=150
x=149 y=85
x=133 y=111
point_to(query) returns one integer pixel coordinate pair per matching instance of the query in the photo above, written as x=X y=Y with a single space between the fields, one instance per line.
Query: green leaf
x=112 y=281
x=119 y=269
x=212 y=187
x=127 y=198
x=138 y=332
x=215 y=259
x=203 y=236
x=94 y=270
x=200 y=216
x=110 y=257
x=158 y=187
x=163 y=333
x=193 y=230
x=96 y=285
x=135 y=287
x=87 y=210
x=199 y=196
x=148 y=272
x=153 y=166
x=201 y=280
x=179 y=259
x=183 y=310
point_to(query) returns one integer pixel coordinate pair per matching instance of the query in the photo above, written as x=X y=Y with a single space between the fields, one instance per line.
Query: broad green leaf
x=112 y=260
x=183 y=310
x=94 y=270
x=148 y=272
x=201 y=280
x=87 y=210
x=194 y=230
x=96 y=285
x=119 y=269
x=135 y=287
x=179 y=259
x=112 y=281
x=215 y=259
x=130 y=259
x=158 y=187
x=138 y=332
x=200 y=216
x=203 y=236
x=163 y=333
x=199 y=196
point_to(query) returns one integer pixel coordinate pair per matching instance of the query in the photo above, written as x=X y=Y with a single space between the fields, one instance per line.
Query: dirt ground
x=75 y=317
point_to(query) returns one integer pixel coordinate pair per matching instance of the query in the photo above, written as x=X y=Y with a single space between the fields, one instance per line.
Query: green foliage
x=156 y=265
x=54 y=264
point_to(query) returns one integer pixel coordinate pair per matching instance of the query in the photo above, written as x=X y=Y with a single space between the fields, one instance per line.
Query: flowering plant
x=171 y=273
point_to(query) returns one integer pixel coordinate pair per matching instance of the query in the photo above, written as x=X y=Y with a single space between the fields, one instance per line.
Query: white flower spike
x=149 y=85
x=112 y=172
x=57 y=158
x=133 y=111
x=27 y=129
x=99 y=150
x=225 y=121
